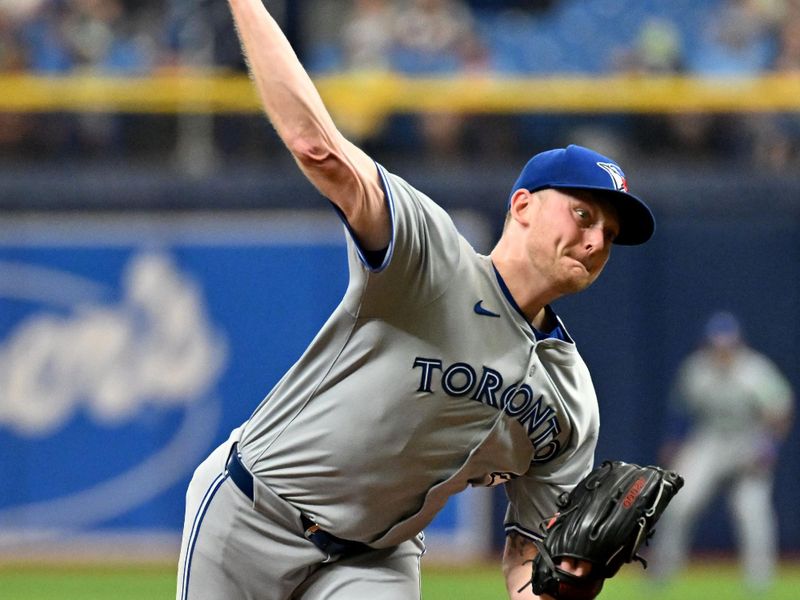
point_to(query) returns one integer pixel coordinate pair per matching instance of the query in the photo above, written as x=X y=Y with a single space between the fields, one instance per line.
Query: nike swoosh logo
x=479 y=310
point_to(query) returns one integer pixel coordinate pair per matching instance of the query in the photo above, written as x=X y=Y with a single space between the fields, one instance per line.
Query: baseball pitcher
x=440 y=369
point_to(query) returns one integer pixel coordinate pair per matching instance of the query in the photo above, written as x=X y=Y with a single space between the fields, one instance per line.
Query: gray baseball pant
x=237 y=548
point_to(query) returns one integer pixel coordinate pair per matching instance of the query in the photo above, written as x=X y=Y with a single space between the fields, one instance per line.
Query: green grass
x=81 y=582
x=708 y=581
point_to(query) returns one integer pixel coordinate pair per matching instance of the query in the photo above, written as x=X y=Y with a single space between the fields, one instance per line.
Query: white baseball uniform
x=730 y=445
x=426 y=379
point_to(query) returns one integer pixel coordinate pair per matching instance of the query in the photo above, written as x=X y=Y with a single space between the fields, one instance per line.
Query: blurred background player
x=739 y=406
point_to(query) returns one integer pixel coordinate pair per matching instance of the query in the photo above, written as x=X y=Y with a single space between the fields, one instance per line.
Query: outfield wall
x=137 y=326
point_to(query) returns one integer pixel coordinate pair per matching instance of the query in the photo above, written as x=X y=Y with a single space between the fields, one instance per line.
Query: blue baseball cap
x=577 y=167
x=722 y=325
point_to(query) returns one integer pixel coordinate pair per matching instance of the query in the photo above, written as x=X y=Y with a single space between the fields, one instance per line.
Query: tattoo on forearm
x=519 y=545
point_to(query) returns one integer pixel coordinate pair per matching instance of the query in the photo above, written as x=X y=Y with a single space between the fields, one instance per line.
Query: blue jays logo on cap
x=617 y=176
x=577 y=167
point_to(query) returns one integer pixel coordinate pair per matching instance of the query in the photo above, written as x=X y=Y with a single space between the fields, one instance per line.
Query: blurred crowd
x=441 y=37
x=57 y=36
x=710 y=38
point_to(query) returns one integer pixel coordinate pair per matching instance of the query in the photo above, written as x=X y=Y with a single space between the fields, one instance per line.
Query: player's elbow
x=327 y=167
x=313 y=153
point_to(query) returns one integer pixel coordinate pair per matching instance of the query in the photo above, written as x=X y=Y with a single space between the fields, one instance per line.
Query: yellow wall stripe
x=377 y=94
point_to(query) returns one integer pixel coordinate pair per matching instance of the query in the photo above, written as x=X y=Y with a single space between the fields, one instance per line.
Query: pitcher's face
x=569 y=241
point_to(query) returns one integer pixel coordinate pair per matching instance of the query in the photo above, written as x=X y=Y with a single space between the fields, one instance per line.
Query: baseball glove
x=604 y=521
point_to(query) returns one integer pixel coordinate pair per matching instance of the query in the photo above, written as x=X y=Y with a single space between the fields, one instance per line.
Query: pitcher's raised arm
x=338 y=169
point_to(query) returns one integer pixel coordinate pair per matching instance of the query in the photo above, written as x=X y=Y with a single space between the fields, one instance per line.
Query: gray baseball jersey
x=427 y=378
x=735 y=399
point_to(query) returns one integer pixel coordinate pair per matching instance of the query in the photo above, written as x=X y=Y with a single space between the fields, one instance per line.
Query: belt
x=335 y=547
